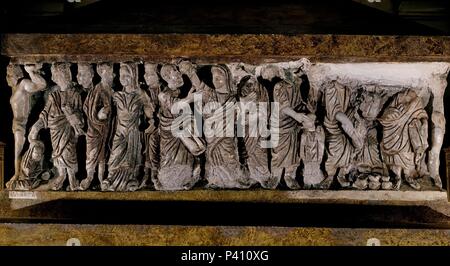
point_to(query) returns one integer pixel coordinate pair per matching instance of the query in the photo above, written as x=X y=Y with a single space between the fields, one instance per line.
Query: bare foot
x=291 y=182
x=57 y=183
x=85 y=183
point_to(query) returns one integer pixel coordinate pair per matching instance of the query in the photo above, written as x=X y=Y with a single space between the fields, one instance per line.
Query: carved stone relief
x=179 y=125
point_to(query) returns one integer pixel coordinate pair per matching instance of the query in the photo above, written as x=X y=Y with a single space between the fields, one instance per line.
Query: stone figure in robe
x=62 y=114
x=405 y=138
x=223 y=168
x=151 y=134
x=285 y=155
x=366 y=169
x=32 y=169
x=252 y=95
x=342 y=135
x=23 y=90
x=126 y=151
x=98 y=110
x=178 y=167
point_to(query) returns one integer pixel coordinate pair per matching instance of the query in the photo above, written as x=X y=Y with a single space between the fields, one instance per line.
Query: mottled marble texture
x=251 y=48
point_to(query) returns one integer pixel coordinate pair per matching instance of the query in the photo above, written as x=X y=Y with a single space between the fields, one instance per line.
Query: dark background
x=390 y=17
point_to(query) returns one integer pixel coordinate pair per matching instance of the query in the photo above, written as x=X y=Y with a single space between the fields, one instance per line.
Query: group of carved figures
x=342 y=136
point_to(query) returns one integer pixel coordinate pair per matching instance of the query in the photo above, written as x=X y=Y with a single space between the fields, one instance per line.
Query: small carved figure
x=178 y=169
x=151 y=134
x=405 y=138
x=22 y=102
x=32 y=170
x=126 y=152
x=62 y=115
x=98 y=108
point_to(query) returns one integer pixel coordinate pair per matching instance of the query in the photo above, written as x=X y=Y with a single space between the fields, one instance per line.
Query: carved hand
x=102 y=114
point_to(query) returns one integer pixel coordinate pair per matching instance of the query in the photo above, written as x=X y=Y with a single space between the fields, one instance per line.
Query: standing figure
x=151 y=134
x=178 y=169
x=22 y=103
x=223 y=168
x=126 y=153
x=367 y=163
x=342 y=135
x=312 y=147
x=251 y=95
x=405 y=137
x=285 y=155
x=63 y=116
x=32 y=170
x=98 y=108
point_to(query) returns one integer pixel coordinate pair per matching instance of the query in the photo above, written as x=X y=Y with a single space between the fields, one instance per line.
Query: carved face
x=248 y=87
x=174 y=78
x=106 y=73
x=14 y=73
x=85 y=76
x=270 y=72
x=219 y=79
x=62 y=77
x=126 y=77
x=150 y=76
x=370 y=107
x=410 y=95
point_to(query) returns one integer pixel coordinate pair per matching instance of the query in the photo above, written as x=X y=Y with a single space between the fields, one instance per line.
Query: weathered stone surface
x=152 y=235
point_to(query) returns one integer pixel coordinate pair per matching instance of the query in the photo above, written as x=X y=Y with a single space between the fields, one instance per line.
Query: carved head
x=106 y=73
x=269 y=72
x=370 y=106
x=85 y=75
x=221 y=78
x=129 y=76
x=247 y=85
x=13 y=74
x=151 y=75
x=61 y=75
x=172 y=76
x=407 y=96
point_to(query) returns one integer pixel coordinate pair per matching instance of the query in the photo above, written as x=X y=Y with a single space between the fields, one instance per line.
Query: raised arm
x=36 y=82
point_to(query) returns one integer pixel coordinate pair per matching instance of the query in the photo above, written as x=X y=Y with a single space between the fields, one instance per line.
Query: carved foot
x=343 y=182
x=326 y=183
x=57 y=183
x=85 y=183
x=437 y=181
x=10 y=183
x=291 y=182
x=73 y=186
x=413 y=183
x=144 y=184
x=132 y=185
x=398 y=184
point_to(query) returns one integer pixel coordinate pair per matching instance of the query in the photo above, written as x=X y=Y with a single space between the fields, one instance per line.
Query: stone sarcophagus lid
x=269 y=112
